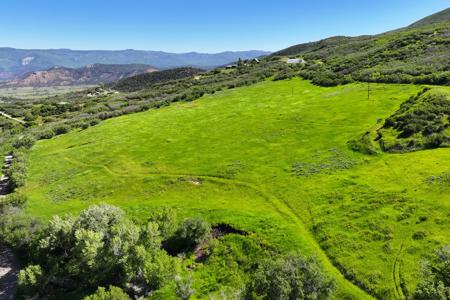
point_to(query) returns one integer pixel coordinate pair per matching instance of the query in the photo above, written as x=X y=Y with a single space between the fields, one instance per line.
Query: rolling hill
x=442 y=16
x=142 y=81
x=91 y=74
x=415 y=54
x=15 y=62
x=277 y=171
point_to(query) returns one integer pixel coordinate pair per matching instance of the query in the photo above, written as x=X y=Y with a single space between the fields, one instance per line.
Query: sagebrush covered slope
x=416 y=54
x=442 y=16
x=421 y=122
x=143 y=81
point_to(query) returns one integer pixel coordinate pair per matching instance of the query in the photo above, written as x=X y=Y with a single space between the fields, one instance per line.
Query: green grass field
x=271 y=159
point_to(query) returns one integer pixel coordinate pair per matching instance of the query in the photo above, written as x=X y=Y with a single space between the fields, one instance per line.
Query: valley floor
x=271 y=159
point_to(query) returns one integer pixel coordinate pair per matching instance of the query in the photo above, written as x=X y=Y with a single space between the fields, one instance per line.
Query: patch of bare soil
x=9 y=269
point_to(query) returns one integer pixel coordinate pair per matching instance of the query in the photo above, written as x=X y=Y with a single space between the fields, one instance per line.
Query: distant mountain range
x=15 y=62
x=90 y=74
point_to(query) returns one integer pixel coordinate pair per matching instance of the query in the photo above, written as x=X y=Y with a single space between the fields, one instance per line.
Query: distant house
x=256 y=60
x=231 y=66
x=296 y=61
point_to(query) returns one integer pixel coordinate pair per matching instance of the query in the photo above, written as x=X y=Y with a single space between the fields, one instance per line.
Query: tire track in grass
x=400 y=287
x=280 y=207
x=396 y=274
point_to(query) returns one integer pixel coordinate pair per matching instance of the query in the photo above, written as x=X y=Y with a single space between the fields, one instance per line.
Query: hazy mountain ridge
x=20 y=61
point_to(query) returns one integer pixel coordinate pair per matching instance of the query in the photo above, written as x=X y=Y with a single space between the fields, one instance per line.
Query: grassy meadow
x=271 y=159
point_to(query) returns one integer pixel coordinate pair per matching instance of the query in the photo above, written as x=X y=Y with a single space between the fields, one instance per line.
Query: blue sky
x=198 y=25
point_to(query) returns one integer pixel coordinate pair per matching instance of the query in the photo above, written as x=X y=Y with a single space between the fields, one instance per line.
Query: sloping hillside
x=143 y=81
x=263 y=159
x=442 y=16
x=91 y=74
x=417 y=54
x=421 y=122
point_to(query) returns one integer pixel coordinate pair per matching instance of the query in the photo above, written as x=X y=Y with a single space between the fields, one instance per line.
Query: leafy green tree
x=289 y=278
x=151 y=269
x=30 y=279
x=193 y=231
x=436 y=277
x=113 y=293
x=151 y=236
x=99 y=218
x=165 y=217
x=88 y=245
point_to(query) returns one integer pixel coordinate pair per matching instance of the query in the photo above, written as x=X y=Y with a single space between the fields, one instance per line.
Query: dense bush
x=12 y=200
x=30 y=280
x=190 y=233
x=47 y=133
x=435 y=284
x=282 y=75
x=113 y=293
x=100 y=247
x=291 y=277
x=61 y=129
x=421 y=122
x=24 y=142
x=17 y=171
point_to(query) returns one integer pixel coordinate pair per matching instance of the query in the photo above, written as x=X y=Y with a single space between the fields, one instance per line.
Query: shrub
x=17 y=172
x=16 y=228
x=61 y=129
x=113 y=293
x=435 y=284
x=15 y=200
x=24 y=142
x=45 y=134
x=419 y=235
x=165 y=218
x=190 y=233
x=100 y=247
x=291 y=277
x=30 y=280
x=285 y=74
x=183 y=288
x=99 y=218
